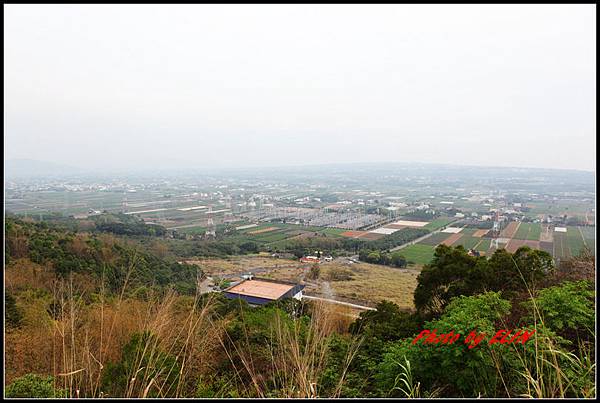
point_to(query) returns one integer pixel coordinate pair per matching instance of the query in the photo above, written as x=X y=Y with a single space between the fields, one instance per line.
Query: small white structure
x=560 y=229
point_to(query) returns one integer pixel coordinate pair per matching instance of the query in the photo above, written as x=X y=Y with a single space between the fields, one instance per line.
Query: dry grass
x=297 y=358
x=235 y=265
x=371 y=284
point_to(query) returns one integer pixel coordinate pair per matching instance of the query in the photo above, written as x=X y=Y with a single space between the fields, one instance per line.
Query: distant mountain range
x=29 y=168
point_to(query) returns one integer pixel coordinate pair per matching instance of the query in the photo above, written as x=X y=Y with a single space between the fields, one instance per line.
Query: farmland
x=419 y=253
x=529 y=231
x=439 y=223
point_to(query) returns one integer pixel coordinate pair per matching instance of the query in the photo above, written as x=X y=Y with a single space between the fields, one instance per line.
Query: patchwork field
x=510 y=230
x=561 y=246
x=435 y=239
x=530 y=231
x=575 y=240
x=418 y=253
x=371 y=236
x=262 y=230
x=515 y=244
x=480 y=233
x=411 y=223
x=439 y=223
x=353 y=234
x=468 y=242
x=483 y=246
x=452 y=239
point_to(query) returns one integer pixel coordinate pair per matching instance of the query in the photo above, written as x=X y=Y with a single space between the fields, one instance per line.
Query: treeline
x=211 y=248
x=101 y=256
x=116 y=223
x=395 y=259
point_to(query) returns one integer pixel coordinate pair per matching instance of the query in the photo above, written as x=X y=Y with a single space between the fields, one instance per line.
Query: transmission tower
x=210 y=225
x=124 y=205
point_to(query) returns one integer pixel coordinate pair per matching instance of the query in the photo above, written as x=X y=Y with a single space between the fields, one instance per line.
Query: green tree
x=451 y=273
x=12 y=313
x=34 y=386
x=566 y=308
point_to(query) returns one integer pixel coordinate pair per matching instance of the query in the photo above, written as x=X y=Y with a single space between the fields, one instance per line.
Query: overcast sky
x=106 y=86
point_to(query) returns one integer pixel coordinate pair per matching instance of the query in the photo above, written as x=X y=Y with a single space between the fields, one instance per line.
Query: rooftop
x=261 y=289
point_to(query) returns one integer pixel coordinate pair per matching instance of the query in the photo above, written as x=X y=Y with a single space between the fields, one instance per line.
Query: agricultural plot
x=384 y=231
x=561 y=246
x=468 y=231
x=451 y=240
x=529 y=231
x=483 y=245
x=510 y=230
x=439 y=223
x=371 y=236
x=480 y=233
x=468 y=242
x=418 y=253
x=261 y=231
x=589 y=236
x=547 y=247
x=435 y=239
x=247 y=230
x=272 y=236
x=353 y=234
x=411 y=223
x=575 y=240
x=515 y=244
x=333 y=231
x=452 y=230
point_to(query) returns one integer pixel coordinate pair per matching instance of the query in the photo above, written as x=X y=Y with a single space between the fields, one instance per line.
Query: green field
x=529 y=231
x=561 y=246
x=333 y=231
x=575 y=240
x=439 y=223
x=418 y=253
x=589 y=235
x=468 y=231
x=484 y=245
x=467 y=241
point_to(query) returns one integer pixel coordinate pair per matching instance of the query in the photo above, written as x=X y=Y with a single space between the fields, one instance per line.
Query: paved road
x=333 y=301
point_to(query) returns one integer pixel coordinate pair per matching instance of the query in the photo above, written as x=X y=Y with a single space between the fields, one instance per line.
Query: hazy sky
x=102 y=86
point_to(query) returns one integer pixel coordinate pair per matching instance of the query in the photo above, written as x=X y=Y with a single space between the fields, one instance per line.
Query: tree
x=567 y=308
x=314 y=272
x=451 y=273
x=34 y=386
x=464 y=372
x=518 y=271
x=398 y=260
x=13 y=315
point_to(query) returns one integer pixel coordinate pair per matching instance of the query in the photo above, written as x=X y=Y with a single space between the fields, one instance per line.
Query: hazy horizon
x=135 y=87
